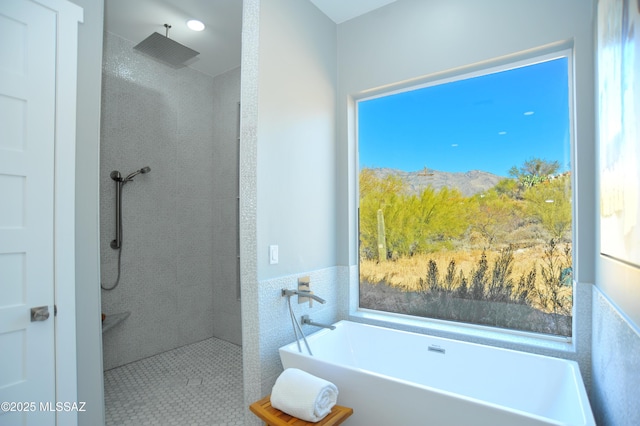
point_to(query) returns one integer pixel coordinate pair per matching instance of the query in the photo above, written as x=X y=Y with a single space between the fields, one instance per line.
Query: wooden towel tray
x=274 y=417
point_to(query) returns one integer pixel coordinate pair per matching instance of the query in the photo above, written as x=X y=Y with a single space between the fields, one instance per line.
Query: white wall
x=89 y=342
x=296 y=134
x=287 y=172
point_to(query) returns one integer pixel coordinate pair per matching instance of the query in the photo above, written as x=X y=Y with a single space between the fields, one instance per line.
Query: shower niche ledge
x=111 y=321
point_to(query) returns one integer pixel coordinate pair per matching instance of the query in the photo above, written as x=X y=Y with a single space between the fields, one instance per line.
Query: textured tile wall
x=248 y=207
x=157 y=116
x=227 y=321
x=276 y=329
x=616 y=365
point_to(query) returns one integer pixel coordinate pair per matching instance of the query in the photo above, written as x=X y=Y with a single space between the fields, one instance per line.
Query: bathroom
x=298 y=69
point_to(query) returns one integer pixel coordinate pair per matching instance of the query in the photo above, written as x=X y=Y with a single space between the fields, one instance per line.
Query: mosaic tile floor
x=198 y=384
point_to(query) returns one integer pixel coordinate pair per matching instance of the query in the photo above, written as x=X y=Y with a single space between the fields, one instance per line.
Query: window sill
x=562 y=347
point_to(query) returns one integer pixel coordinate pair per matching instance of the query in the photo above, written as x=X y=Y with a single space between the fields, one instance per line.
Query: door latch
x=41 y=313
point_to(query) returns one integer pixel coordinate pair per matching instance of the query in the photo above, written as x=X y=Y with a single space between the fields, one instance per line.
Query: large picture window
x=465 y=198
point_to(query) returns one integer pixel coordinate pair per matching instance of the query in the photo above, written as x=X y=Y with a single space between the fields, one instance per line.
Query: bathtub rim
x=523 y=341
x=317 y=334
x=574 y=365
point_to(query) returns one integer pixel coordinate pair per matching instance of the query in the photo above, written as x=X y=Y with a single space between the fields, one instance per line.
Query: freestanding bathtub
x=396 y=378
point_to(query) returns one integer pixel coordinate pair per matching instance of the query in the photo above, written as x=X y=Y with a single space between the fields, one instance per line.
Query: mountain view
x=491 y=245
x=469 y=183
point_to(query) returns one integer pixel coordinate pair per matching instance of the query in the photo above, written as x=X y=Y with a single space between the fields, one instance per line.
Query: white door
x=27 y=132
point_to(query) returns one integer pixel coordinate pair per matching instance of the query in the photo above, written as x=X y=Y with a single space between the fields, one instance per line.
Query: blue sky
x=488 y=123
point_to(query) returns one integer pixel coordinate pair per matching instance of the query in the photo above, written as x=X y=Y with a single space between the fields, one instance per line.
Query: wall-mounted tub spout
x=306 y=320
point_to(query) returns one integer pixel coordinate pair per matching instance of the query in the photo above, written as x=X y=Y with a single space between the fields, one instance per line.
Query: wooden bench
x=274 y=417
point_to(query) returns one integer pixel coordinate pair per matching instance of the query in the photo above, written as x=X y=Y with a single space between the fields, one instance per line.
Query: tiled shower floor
x=198 y=384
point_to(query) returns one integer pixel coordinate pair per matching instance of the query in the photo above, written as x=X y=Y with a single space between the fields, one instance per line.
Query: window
x=465 y=200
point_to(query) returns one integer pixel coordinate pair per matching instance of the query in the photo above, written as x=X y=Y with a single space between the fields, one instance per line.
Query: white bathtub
x=395 y=378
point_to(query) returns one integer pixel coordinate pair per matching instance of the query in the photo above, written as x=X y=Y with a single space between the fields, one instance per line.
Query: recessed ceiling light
x=195 y=25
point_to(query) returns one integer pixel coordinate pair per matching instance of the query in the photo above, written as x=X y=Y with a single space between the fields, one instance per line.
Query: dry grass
x=405 y=273
x=394 y=286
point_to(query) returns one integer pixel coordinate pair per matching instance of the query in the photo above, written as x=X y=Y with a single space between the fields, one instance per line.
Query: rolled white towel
x=303 y=395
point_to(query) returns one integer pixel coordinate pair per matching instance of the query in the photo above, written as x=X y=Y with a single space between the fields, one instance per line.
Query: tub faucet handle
x=301 y=293
x=311 y=295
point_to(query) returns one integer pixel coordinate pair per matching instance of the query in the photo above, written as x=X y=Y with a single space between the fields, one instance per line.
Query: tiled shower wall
x=164 y=118
x=227 y=322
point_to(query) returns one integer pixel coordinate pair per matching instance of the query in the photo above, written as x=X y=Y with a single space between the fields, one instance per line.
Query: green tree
x=442 y=216
x=550 y=204
x=494 y=216
x=401 y=226
x=508 y=187
x=535 y=167
x=413 y=223
x=533 y=172
x=378 y=187
x=375 y=193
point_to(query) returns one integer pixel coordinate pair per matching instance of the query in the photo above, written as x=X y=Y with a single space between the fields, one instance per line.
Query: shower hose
x=119 y=257
x=117 y=243
x=297 y=327
x=118 y=277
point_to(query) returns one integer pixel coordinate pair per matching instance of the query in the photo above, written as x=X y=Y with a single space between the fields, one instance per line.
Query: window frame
x=467 y=331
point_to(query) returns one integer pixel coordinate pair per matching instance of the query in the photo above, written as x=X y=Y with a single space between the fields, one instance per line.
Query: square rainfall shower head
x=166 y=49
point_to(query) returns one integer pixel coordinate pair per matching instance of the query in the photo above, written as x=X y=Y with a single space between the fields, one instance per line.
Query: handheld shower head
x=143 y=170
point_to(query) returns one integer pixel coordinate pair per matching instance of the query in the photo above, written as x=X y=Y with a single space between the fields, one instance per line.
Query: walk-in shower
x=177 y=232
x=116 y=244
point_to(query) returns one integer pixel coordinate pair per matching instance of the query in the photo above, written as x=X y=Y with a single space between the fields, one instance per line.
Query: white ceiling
x=220 y=43
x=343 y=10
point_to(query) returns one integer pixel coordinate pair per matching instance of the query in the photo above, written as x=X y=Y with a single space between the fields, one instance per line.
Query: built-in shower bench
x=111 y=321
